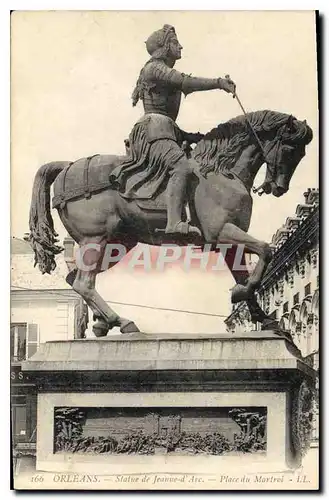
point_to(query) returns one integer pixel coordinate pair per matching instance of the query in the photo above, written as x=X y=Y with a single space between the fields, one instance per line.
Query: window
x=18 y=409
x=18 y=342
x=285 y=307
x=307 y=290
x=23 y=341
x=296 y=299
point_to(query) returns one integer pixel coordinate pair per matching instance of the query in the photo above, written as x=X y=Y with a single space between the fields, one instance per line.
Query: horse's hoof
x=100 y=329
x=257 y=318
x=270 y=324
x=71 y=277
x=129 y=327
x=240 y=293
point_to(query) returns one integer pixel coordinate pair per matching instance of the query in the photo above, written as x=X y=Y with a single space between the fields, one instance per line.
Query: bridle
x=276 y=144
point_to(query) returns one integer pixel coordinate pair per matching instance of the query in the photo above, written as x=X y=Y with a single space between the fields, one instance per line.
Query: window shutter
x=32 y=339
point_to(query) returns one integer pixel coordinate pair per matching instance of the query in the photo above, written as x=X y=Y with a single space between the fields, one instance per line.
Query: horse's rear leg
x=84 y=285
x=89 y=263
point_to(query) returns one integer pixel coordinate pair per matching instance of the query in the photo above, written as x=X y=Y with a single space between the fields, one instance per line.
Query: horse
x=225 y=164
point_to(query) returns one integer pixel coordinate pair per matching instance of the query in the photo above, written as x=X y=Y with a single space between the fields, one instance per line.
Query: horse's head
x=283 y=155
x=232 y=147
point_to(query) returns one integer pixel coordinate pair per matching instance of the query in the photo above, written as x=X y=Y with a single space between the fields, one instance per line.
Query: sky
x=72 y=77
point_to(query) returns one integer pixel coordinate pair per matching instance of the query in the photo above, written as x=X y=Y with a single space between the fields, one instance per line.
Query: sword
x=235 y=96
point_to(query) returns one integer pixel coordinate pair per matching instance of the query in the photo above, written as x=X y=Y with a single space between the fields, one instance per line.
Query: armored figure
x=155 y=143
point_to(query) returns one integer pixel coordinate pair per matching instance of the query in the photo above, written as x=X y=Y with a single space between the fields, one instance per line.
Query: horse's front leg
x=241 y=277
x=232 y=234
x=243 y=290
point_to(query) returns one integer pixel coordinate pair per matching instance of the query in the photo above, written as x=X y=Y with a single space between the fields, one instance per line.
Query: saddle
x=82 y=178
x=88 y=176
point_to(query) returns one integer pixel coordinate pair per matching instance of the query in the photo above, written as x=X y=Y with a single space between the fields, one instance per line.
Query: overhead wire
x=144 y=306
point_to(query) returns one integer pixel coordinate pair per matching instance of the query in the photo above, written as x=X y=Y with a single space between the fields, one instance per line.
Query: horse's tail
x=43 y=237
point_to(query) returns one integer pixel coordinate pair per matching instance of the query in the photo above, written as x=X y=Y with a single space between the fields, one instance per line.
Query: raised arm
x=158 y=72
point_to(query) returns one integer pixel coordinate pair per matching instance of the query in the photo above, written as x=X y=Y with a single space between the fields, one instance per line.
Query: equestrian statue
x=141 y=196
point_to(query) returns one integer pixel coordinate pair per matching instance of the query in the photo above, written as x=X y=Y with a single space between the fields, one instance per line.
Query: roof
x=19 y=246
x=292 y=223
x=24 y=276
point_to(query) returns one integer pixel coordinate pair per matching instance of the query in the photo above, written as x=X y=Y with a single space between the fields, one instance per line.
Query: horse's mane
x=220 y=148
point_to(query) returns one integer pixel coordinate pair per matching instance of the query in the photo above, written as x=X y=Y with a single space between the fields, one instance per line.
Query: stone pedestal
x=197 y=386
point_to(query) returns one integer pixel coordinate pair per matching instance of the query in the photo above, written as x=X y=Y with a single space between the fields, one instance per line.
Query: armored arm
x=158 y=72
x=196 y=84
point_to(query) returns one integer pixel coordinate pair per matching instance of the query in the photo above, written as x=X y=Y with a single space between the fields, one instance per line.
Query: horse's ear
x=290 y=122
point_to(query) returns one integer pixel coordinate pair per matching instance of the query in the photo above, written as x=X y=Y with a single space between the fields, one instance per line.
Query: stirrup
x=184 y=228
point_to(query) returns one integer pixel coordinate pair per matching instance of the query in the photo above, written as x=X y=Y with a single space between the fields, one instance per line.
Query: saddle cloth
x=88 y=176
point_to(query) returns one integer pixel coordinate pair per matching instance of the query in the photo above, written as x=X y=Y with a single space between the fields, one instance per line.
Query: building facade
x=42 y=308
x=289 y=291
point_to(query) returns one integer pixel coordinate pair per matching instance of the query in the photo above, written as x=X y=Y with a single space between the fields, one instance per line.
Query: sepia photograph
x=164 y=322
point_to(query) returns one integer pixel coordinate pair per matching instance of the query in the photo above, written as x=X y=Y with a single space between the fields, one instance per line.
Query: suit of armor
x=156 y=140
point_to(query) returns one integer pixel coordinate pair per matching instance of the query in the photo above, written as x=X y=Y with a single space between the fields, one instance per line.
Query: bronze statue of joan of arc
x=155 y=143
x=220 y=173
